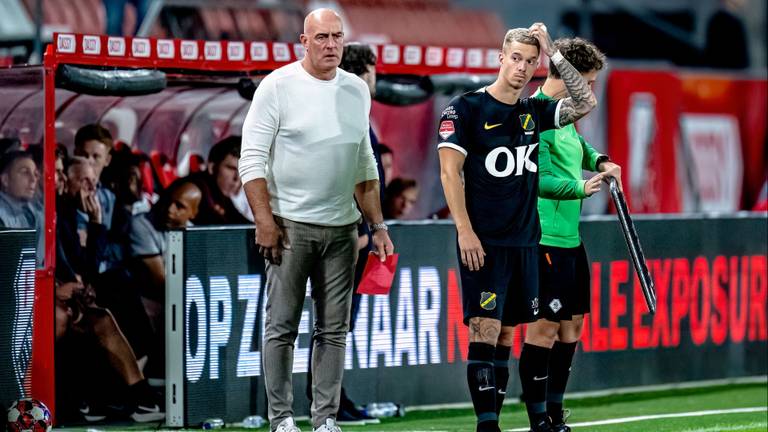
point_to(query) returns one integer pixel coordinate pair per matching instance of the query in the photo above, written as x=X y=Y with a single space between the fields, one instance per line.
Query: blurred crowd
x=112 y=214
x=110 y=275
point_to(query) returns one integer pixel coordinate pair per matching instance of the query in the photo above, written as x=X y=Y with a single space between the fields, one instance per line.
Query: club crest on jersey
x=526 y=121
x=535 y=305
x=488 y=300
x=555 y=305
x=446 y=129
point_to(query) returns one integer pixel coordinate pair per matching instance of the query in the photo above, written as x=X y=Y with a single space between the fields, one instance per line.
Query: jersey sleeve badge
x=446 y=129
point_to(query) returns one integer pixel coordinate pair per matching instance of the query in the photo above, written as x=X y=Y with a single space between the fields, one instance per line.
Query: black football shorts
x=506 y=288
x=564 y=282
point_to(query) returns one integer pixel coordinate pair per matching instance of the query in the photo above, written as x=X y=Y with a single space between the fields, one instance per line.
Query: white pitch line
x=722 y=428
x=657 y=416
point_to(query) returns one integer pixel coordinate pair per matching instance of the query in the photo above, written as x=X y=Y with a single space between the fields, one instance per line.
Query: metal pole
x=585 y=20
x=37 y=47
x=152 y=15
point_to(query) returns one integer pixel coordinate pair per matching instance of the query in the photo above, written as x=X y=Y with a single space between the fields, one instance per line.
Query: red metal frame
x=187 y=55
x=42 y=368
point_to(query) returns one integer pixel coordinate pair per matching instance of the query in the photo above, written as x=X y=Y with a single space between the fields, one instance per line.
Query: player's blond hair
x=521 y=35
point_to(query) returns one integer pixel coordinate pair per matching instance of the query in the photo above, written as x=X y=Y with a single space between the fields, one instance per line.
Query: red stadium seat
x=119 y=145
x=163 y=168
x=196 y=163
x=413 y=22
x=226 y=24
x=252 y=25
x=286 y=25
x=219 y=23
x=82 y=16
x=210 y=22
x=129 y=20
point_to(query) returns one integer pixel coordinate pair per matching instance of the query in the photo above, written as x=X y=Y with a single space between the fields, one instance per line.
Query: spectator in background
x=727 y=46
x=81 y=248
x=177 y=206
x=400 y=197
x=387 y=162
x=123 y=176
x=76 y=314
x=94 y=143
x=218 y=184
x=9 y=144
x=60 y=177
x=83 y=251
x=18 y=185
x=138 y=301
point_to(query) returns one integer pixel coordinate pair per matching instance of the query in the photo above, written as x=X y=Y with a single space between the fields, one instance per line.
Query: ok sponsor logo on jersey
x=515 y=162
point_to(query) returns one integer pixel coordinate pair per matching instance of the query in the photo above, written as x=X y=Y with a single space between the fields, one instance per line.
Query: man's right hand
x=91 y=206
x=65 y=291
x=539 y=31
x=269 y=238
x=472 y=253
x=592 y=186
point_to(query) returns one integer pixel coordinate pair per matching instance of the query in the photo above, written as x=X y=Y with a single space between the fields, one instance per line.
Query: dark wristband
x=601 y=159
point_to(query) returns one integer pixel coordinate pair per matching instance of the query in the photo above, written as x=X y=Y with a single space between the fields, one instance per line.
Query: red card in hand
x=378 y=276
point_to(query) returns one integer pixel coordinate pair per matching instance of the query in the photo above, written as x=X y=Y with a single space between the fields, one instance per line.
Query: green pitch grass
x=592 y=410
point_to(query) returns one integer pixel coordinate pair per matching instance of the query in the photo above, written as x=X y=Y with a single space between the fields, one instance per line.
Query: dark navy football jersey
x=501 y=181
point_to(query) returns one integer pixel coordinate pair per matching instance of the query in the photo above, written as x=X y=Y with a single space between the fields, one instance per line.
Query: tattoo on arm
x=581 y=100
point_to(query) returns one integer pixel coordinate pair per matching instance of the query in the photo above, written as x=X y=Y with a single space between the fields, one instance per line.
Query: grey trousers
x=327 y=256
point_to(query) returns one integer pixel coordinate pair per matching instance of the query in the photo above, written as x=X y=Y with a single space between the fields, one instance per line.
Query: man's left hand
x=382 y=245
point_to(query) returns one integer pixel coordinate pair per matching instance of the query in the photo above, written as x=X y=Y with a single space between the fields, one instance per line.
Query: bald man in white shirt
x=306 y=156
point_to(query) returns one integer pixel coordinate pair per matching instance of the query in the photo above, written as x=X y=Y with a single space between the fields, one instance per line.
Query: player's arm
x=155 y=271
x=369 y=200
x=595 y=161
x=451 y=165
x=552 y=186
x=146 y=253
x=259 y=131
x=581 y=100
x=368 y=197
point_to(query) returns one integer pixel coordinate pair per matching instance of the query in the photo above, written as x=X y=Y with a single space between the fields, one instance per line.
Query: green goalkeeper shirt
x=563 y=153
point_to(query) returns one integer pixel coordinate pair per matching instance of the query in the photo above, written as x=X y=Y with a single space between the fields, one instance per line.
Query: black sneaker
x=144 y=414
x=92 y=413
x=347 y=417
x=558 y=423
x=542 y=426
x=146 y=403
x=488 y=426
